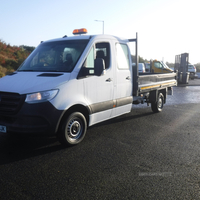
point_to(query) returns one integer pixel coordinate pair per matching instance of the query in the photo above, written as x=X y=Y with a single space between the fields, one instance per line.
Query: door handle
x=128 y=78
x=109 y=80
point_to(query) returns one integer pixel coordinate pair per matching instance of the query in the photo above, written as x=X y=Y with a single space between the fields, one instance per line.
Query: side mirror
x=99 y=67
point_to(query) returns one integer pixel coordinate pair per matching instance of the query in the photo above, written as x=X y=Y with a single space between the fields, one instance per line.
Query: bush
x=5 y=71
x=11 y=57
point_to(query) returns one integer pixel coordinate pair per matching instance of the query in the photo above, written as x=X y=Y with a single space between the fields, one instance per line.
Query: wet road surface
x=140 y=155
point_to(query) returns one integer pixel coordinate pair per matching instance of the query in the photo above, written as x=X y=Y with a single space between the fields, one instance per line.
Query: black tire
x=158 y=106
x=73 y=129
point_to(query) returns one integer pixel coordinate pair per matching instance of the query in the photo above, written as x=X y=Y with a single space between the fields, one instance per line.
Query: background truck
x=156 y=66
x=71 y=83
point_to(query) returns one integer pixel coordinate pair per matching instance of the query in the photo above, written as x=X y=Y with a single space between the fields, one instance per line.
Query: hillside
x=11 y=57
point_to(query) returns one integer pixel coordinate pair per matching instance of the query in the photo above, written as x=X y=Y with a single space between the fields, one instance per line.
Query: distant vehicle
x=141 y=68
x=156 y=66
x=192 y=70
x=147 y=67
x=160 y=67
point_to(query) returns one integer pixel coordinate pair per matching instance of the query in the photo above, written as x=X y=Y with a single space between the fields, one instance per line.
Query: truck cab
x=66 y=85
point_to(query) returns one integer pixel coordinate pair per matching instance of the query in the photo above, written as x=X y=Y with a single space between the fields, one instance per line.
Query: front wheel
x=158 y=106
x=73 y=129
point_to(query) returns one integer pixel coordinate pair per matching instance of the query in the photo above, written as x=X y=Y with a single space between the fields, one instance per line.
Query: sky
x=165 y=27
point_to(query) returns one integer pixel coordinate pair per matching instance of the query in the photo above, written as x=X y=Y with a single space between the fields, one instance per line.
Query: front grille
x=10 y=103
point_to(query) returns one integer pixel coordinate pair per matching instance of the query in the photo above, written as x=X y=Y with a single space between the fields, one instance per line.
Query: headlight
x=41 y=96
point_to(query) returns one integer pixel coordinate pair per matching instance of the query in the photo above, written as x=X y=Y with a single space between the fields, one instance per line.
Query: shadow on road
x=16 y=148
x=13 y=148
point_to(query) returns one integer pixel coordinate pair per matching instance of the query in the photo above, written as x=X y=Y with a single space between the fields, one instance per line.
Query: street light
x=100 y=21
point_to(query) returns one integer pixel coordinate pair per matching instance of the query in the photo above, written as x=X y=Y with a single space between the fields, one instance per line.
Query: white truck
x=71 y=83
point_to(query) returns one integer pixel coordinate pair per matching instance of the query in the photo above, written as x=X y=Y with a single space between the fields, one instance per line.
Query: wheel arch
x=153 y=97
x=75 y=108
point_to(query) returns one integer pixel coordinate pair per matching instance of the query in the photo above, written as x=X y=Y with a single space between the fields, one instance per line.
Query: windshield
x=190 y=66
x=60 y=56
x=164 y=65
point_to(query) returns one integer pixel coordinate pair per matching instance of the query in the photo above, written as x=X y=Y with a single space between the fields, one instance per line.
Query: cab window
x=158 y=65
x=103 y=51
x=89 y=63
x=99 y=50
x=122 y=56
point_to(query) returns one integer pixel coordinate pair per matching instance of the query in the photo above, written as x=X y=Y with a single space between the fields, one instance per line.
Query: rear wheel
x=158 y=105
x=73 y=129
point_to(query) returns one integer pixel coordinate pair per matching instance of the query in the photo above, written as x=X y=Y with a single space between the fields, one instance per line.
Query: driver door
x=98 y=90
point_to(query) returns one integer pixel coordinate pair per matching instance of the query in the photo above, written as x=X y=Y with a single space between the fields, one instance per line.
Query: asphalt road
x=140 y=155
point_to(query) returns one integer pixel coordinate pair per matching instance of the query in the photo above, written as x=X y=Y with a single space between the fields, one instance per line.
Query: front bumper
x=40 y=118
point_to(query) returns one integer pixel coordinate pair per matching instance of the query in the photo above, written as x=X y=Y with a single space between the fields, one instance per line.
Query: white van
x=141 y=68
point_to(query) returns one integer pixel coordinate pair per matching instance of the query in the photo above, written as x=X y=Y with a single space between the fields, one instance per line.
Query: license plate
x=2 y=129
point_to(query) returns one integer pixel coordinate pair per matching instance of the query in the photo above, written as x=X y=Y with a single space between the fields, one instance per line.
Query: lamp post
x=100 y=21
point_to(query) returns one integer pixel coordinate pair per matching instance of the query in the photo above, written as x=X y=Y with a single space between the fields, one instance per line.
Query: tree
x=11 y=57
x=141 y=60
